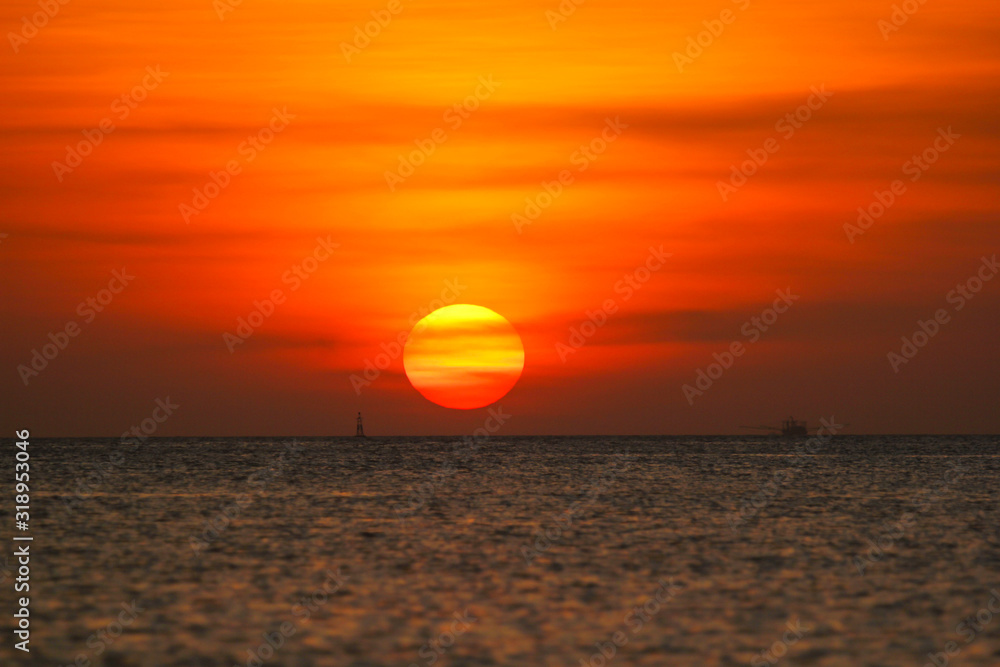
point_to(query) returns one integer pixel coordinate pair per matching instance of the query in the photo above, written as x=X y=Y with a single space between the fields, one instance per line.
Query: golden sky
x=256 y=148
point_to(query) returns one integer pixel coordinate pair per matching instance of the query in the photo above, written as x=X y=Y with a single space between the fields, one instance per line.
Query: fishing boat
x=790 y=427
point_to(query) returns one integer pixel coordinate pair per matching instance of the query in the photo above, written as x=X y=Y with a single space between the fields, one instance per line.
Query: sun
x=463 y=356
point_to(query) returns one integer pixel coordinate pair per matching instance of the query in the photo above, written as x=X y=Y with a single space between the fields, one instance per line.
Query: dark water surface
x=527 y=551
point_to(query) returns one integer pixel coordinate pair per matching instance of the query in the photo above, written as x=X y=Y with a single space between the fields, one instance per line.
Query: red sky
x=664 y=131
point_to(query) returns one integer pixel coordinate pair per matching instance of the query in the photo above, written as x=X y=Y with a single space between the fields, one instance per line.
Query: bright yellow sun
x=463 y=356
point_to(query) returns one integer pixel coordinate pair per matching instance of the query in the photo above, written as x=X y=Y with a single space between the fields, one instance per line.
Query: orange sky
x=378 y=250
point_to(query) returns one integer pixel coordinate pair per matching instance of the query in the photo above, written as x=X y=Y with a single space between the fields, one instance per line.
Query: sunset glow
x=520 y=333
x=530 y=157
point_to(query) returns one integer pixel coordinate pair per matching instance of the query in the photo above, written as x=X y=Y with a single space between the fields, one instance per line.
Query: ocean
x=519 y=551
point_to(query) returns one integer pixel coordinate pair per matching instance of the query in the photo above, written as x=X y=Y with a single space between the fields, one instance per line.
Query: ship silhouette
x=790 y=427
